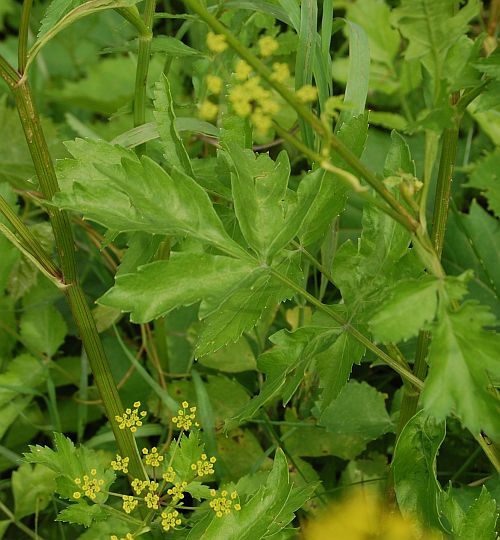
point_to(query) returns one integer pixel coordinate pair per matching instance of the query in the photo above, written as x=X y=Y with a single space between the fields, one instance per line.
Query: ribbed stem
x=66 y=249
x=141 y=76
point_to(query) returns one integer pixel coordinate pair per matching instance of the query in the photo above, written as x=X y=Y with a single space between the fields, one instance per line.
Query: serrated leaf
x=55 y=12
x=472 y=242
x=478 y=521
x=82 y=513
x=43 y=329
x=173 y=147
x=70 y=462
x=269 y=214
x=414 y=468
x=52 y=26
x=186 y=278
x=463 y=359
x=431 y=29
x=141 y=196
x=486 y=177
x=410 y=305
x=357 y=413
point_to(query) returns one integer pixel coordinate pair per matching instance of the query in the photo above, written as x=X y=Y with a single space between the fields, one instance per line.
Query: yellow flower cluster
x=128 y=537
x=223 y=505
x=214 y=84
x=185 y=417
x=152 y=500
x=120 y=464
x=140 y=485
x=129 y=503
x=89 y=485
x=170 y=520
x=242 y=70
x=216 y=42
x=152 y=458
x=281 y=72
x=208 y=110
x=204 y=466
x=169 y=475
x=267 y=46
x=131 y=418
x=177 y=491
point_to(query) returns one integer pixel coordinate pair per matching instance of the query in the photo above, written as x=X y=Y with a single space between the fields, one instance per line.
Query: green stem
x=22 y=53
x=313 y=261
x=141 y=76
x=131 y=14
x=21 y=526
x=356 y=334
x=304 y=112
x=66 y=249
x=29 y=242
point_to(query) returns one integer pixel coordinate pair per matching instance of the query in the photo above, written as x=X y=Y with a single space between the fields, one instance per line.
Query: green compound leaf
x=265 y=514
x=33 y=489
x=186 y=278
x=414 y=466
x=432 y=29
x=486 y=177
x=463 y=361
x=269 y=214
x=135 y=195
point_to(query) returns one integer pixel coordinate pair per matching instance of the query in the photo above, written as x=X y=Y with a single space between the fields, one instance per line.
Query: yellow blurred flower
x=216 y=42
x=208 y=111
x=267 y=46
x=214 y=84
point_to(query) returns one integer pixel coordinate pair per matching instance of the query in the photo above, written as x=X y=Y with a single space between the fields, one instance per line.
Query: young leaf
x=43 y=329
x=486 y=177
x=186 y=278
x=358 y=413
x=411 y=304
x=55 y=12
x=141 y=196
x=33 y=489
x=472 y=242
x=414 y=467
x=82 y=513
x=174 y=149
x=463 y=359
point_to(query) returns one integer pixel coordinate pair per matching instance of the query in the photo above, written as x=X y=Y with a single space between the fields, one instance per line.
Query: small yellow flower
x=120 y=464
x=170 y=520
x=307 y=93
x=242 y=70
x=139 y=485
x=152 y=458
x=267 y=46
x=169 y=475
x=177 y=491
x=129 y=503
x=216 y=42
x=281 y=72
x=185 y=417
x=89 y=486
x=152 y=500
x=222 y=505
x=214 y=84
x=131 y=418
x=204 y=466
x=208 y=110
x=128 y=537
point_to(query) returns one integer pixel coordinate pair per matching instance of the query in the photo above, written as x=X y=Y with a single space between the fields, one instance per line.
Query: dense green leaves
x=486 y=178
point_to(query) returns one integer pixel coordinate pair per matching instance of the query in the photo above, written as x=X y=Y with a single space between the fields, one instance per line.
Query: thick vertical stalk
x=141 y=76
x=66 y=249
